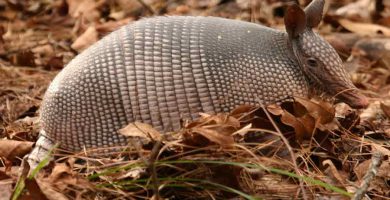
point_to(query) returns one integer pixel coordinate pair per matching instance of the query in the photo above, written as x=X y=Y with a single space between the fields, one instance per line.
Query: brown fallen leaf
x=242 y=110
x=5 y=186
x=62 y=177
x=24 y=58
x=85 y=40
x=138 y=129
x=215 y=136
x=88 y=9
x=111 y=26
x=372 y=49
x=323 y=112
x=10 y=149
x=359 y=10
x=6 y=190
x=50 y=192
x=34 y=191
x=382 y=149
x=55 y=63
x=343 y=42
x=3 y=175
x=386 y=109
x=365 y=29
x=338 y=177
x=134 y=173
x=299 y=127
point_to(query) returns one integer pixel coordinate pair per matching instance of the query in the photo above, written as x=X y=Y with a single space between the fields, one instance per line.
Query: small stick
x=292 y=154
x=285 y=141
x=152 y=167
x=376 y=161
x=147 y=7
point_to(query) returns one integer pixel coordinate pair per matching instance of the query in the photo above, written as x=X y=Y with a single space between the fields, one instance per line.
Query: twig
x=150 y=9
x=376 y=161
x=285 y=141
x=152 y=167
x=292 y=154
x=150 y=163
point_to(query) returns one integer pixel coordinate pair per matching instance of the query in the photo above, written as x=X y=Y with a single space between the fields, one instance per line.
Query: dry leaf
x=365 y=29
x=133 y=173
x=322 y=112
x=343 y=42
x=11 y=148
x=55 y=62
x=35 y=191
x=215 y=136
x=359 y=10
x=242 y=109
x=383 y=150
x=85 y=40
x=244 y=130
x=386 y=109
x=299 y=128
x=6 y=186
x=275 y=109
x=332 y=171
x=50 y=192
x=62 y=176
x=85 y=8
x=111 y=26
x=138 y=129
x=24 y=58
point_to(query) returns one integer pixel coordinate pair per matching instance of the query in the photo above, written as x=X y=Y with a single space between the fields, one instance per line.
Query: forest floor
x=306 y=149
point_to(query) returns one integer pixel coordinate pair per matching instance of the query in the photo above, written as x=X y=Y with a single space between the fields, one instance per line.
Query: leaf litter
x=218 y=156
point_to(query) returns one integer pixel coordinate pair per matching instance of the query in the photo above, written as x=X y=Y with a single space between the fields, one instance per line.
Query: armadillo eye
x=312 y=62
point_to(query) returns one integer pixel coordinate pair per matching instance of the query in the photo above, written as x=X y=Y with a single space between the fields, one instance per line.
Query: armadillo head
x=319 y=61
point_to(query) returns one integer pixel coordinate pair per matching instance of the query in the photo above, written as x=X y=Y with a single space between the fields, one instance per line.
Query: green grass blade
x=21 y=184
x=43 y=163
x=247 y=165
x=132 y=184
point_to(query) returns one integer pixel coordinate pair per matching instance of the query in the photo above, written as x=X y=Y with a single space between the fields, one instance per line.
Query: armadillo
x=160 y=70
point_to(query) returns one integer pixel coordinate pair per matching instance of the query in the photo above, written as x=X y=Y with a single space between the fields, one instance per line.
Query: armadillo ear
x=314 y=13
x=295 y=21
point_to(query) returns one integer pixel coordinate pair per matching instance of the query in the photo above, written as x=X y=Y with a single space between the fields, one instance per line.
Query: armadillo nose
x=361 y=102
x=354 y=99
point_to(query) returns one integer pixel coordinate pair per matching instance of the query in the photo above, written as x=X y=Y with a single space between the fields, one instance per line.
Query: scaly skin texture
x=163 y=69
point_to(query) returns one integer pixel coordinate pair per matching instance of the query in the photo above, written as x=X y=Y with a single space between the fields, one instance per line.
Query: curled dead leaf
x=55 y=62
x=138 y=129
x=34 y=189
x=62 y=177
x=323 y=112
x=12 y=148
x=111 y=26
x=386 y=109
x=359 y=10
x=299 y=128
x=365 y=29
x=214 y=136
x=306 y=117
x=337 y=176
x=244 y=130
x=86 y=8
x=50 y=192
x=85 y=40
x=275 y=109
x=24 y=58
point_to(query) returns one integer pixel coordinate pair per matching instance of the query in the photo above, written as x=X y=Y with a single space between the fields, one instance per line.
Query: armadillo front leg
x=41 y=150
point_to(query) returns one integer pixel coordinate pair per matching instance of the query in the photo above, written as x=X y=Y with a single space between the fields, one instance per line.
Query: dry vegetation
x=307 y=149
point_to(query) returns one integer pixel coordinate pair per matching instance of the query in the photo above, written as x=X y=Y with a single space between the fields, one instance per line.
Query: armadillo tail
x=40 y=151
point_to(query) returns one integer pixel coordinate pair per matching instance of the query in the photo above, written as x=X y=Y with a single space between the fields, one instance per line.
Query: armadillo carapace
x=161 y=69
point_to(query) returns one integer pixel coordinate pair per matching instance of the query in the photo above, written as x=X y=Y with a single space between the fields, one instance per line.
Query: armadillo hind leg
x=42 y=148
